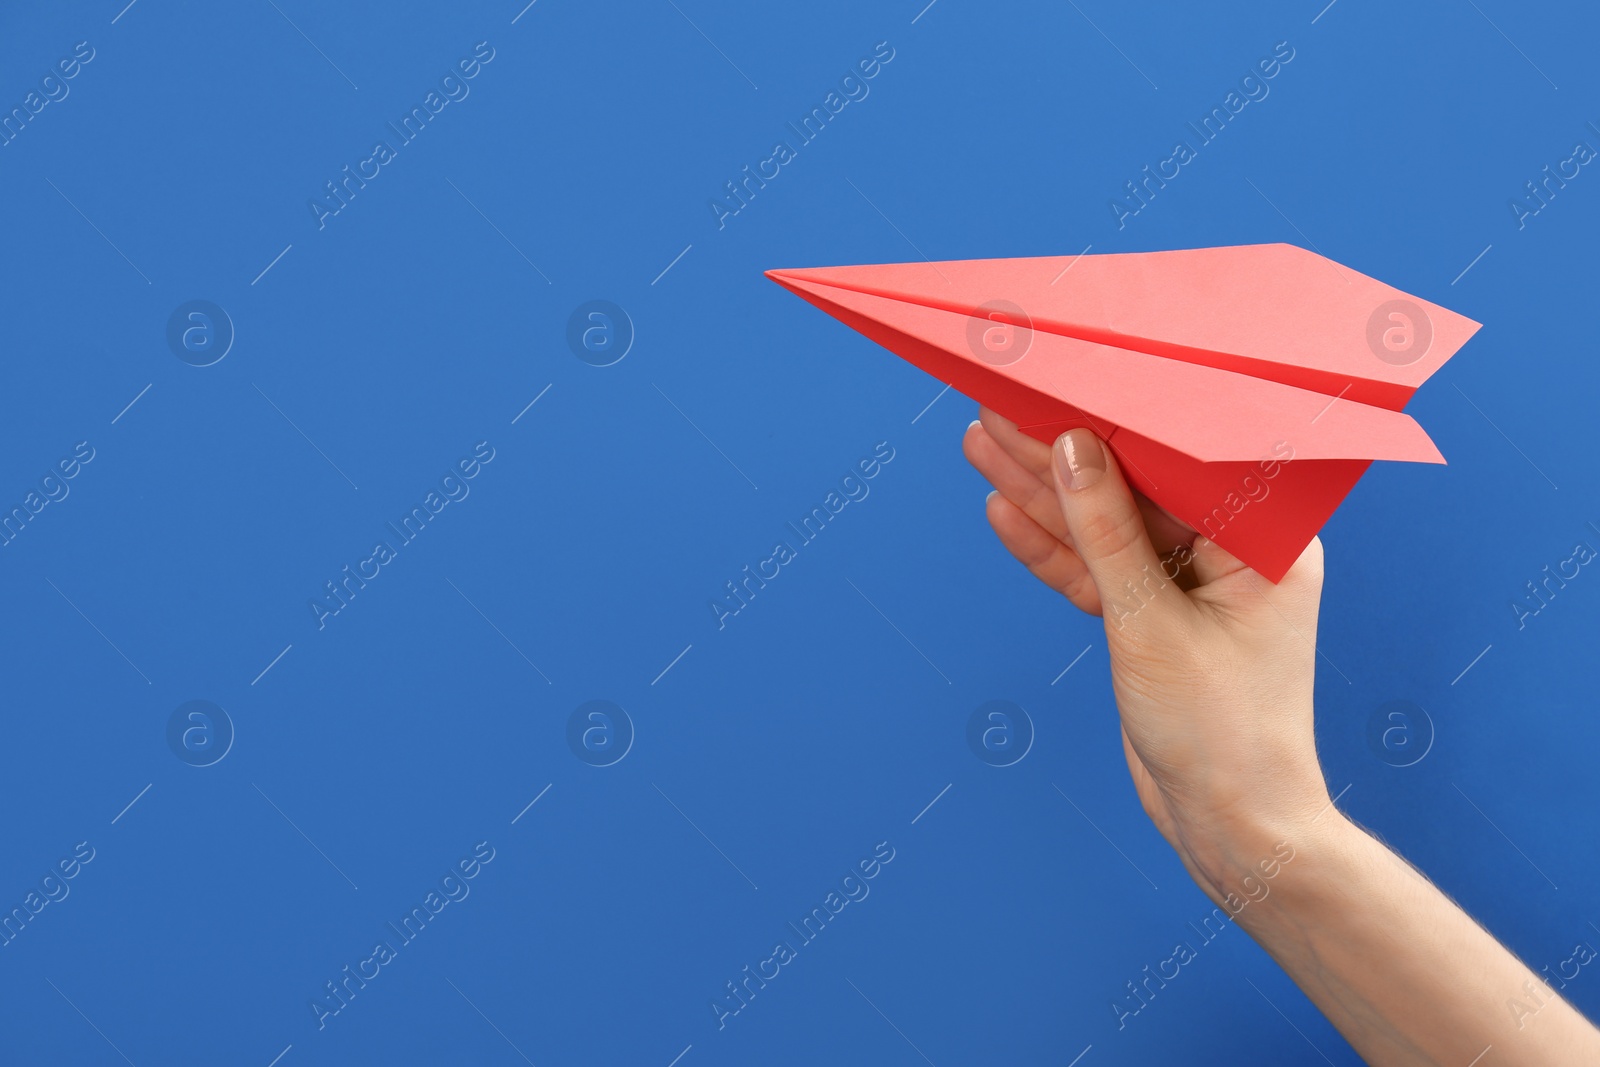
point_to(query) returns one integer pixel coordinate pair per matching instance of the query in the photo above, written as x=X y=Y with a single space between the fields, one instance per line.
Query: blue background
x=773 y=754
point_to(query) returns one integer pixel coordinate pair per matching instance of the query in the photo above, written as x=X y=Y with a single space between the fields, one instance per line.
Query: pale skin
x=1212 y=672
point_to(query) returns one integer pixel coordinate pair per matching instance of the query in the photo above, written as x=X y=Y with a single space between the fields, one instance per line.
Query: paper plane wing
x=1254 y=447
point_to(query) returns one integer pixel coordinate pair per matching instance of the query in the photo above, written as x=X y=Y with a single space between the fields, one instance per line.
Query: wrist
x=1252 y=857
x=1289 y=875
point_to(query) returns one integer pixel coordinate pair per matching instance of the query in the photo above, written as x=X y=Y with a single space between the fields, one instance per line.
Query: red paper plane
x=1243 y=389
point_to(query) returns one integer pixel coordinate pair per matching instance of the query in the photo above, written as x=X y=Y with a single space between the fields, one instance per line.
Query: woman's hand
x=1212 y=668
x=1211 y=664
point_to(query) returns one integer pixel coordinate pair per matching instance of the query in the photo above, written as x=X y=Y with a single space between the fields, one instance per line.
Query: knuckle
x=1035 y=553
x=1044 y=507
x=1079 y=588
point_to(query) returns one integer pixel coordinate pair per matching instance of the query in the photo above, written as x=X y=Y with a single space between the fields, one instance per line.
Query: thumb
x=1108 y=530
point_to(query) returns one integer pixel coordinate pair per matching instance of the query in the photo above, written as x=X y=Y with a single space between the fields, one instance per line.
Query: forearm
x=1405 y=975
x=1214 y=673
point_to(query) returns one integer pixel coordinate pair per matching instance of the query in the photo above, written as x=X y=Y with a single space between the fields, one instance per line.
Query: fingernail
x=1081 y=455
